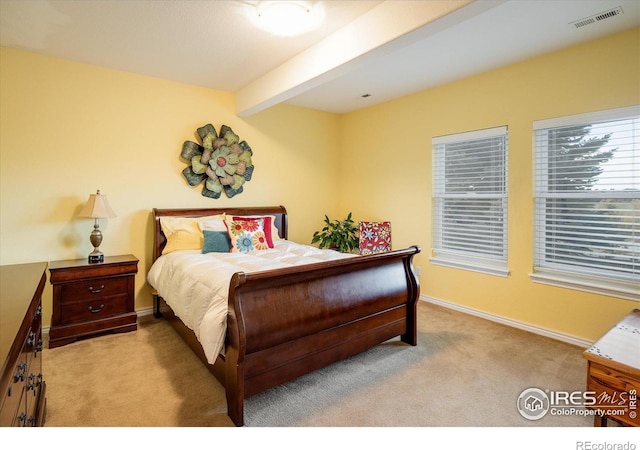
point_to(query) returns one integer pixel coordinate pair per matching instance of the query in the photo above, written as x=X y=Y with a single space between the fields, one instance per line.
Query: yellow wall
x=68 y=129
x=387 y=172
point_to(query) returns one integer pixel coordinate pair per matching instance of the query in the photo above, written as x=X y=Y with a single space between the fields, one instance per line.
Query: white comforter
x=196 y=285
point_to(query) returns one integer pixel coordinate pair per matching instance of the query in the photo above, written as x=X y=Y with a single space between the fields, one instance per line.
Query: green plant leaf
x=339 y=234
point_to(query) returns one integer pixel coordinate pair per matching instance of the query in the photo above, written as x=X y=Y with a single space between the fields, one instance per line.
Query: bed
x=285 y=322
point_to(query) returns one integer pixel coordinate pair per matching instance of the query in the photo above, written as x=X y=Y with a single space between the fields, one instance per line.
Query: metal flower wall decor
x=221 y=161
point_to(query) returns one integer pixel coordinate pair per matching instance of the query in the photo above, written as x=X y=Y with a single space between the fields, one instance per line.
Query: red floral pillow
x=246 y=235
x=268 y=226
x=375 y=237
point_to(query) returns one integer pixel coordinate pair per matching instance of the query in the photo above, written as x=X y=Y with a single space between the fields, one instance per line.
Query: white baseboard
x=142 y=313
x=510 y=322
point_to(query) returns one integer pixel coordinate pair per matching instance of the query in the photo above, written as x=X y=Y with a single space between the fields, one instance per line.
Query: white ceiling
x=386 y=49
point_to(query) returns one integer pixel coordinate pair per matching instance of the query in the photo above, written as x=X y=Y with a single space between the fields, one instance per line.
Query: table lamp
x=97 y=207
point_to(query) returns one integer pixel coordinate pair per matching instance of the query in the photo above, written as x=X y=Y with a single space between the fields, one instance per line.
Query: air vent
x=598 y=17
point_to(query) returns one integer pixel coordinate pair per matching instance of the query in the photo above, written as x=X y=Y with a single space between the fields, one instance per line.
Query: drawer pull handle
x=96 y=291
x=31 y=339
x=21 y=372
x=31 y=383
x=96 y=310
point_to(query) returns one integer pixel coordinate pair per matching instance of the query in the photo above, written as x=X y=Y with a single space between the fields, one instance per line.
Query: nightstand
x=613 y=373
x=90 y=299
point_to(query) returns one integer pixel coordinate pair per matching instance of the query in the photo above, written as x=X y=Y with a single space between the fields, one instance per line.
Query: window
x=587 y=202
x=470 y=200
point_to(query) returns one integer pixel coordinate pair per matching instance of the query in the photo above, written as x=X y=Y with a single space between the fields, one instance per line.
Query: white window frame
x=452 y=256
x=564 y=275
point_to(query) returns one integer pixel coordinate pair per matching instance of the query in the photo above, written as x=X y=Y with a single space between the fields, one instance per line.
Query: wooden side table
x=92 y=298
x=613 y=373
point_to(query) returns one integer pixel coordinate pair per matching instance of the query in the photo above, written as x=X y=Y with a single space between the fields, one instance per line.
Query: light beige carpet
x=465 y=371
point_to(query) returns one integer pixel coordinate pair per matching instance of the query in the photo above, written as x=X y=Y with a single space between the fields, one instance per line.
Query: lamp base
x=96 y=257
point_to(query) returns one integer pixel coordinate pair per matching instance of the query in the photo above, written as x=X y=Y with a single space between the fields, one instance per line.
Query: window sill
x=489 y=270
x=620 y=289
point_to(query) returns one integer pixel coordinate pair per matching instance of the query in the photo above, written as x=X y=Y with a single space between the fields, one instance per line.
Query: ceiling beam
x=384 y=28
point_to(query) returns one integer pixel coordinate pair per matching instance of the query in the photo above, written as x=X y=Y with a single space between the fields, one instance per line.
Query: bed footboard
x=285 y=323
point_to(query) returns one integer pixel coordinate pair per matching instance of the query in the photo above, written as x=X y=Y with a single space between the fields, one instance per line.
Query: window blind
x=587 y=194
x=470 y=197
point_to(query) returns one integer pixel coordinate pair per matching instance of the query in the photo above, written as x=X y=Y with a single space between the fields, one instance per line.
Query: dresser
x=90 y=299
x=22 y=387
x=613 y=373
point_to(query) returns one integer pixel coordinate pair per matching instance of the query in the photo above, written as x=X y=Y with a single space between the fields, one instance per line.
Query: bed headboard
x=159 y=241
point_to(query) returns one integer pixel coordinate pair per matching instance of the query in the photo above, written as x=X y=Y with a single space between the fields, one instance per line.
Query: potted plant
x=339 y=235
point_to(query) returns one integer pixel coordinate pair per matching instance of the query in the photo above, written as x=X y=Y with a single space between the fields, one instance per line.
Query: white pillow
x=212 y=225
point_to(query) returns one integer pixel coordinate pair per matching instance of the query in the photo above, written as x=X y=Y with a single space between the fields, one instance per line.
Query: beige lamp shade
x=97 y=207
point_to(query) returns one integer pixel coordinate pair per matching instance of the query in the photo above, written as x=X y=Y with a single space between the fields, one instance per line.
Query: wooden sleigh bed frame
x=287 y=322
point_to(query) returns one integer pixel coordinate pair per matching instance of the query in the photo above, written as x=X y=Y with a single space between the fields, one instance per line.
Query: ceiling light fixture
x=288 y=18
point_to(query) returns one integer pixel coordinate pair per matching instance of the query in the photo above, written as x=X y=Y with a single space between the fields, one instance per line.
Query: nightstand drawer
x=92 y=289
x=93 y=309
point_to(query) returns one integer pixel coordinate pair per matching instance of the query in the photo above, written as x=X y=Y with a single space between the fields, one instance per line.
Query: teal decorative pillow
x=216 y=241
